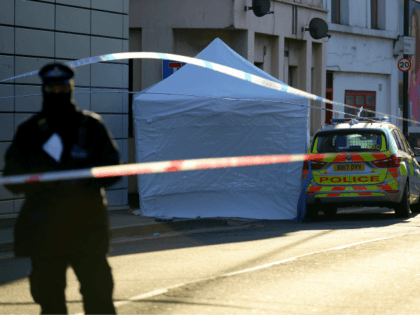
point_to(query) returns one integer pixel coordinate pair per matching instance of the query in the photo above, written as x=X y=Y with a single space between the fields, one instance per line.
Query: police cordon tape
x=212 y=66
x=160 y=167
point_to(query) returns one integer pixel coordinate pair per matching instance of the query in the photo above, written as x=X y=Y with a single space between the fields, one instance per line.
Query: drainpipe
x=405 y=75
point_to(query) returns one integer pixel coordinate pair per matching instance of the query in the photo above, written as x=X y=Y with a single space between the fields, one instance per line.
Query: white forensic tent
x=200 y=113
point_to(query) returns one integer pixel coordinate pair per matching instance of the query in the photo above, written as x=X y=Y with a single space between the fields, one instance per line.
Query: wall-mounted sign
x=409 y=45
x=170 y=67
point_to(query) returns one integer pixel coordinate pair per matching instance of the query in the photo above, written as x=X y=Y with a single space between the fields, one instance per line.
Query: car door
x=413 y=167
x=401 y=152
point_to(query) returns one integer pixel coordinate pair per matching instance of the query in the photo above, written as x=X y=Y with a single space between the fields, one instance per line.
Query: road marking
x=309 y=254
x=165 y=290
x=365 y=209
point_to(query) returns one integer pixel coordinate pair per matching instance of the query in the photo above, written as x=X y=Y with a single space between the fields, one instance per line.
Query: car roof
x=378 y=125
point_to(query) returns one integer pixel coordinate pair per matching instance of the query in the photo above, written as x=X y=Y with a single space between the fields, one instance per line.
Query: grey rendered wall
x=34 y=33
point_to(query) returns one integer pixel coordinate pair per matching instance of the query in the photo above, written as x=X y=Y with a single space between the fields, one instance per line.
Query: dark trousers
x=48 y=283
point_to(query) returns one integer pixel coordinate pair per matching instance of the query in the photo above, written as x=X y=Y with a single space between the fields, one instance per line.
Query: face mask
x=58 y=104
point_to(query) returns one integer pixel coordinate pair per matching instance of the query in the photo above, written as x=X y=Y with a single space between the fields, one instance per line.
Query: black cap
x=56 y=74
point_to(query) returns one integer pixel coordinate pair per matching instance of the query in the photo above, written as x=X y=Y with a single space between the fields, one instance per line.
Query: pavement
x=126 y=224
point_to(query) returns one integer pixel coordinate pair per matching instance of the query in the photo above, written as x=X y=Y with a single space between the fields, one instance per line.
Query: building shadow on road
x=13 y=269
x=348 y=219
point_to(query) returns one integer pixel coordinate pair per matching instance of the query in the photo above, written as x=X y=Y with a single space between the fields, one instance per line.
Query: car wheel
x=403 y=210
x=330 y=211
x=416 y=207
x=312 y=212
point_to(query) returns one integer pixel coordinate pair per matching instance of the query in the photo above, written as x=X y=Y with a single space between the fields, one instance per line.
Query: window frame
x=374 y=23
x=365 y=105
x=338 y=21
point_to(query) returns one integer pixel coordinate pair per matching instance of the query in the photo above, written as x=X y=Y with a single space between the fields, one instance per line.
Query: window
x=374 y=14
x=350 y=140
x=377 y=14
x=404 y=142
x=407 y=145
x=340 y=12
x=335 y=11
x=359 y=99
x=398 y=141
x=329 y=96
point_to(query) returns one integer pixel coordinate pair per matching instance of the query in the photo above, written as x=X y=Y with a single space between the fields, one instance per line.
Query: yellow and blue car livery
x=367 y=162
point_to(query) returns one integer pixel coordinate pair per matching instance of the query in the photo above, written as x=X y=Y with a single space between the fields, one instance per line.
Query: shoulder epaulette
x=42 y=121
x=91 y=114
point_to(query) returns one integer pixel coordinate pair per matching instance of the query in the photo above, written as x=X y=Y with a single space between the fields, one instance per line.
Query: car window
x=349 y=140
x=407 y=148
x=410 y=151
x=407 y=145
x=397 y=140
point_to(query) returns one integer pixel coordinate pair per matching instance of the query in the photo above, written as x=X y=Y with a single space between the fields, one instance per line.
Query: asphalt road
x=360 y=262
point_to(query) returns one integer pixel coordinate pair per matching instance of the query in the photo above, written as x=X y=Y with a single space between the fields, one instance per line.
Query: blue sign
x=170 y=67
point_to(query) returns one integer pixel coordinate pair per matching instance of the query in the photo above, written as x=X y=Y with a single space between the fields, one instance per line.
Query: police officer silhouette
x=63 y=223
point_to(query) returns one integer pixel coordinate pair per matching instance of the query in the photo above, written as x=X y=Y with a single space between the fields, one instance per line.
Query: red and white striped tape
x=161 y=167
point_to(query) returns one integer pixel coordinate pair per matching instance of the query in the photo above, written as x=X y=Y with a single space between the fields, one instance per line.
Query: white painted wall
x=364 y=82
x=355 y=53
x=362 y=58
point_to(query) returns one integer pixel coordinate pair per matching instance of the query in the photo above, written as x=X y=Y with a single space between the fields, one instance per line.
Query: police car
x=362 y=162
